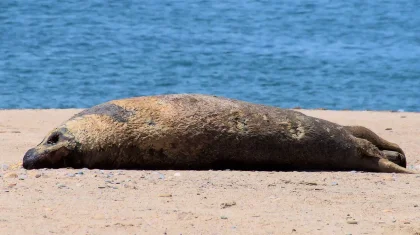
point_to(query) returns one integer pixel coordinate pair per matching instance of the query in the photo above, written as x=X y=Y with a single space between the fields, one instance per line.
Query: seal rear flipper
x=384 y=165
x=376 y=160
x=390 y=167
x=365 y=133
x=395 y=157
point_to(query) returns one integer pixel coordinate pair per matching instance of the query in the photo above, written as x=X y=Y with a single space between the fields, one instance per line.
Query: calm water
x=353 y=54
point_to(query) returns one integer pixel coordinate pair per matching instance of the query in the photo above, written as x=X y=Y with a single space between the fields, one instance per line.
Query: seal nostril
x=29 y=159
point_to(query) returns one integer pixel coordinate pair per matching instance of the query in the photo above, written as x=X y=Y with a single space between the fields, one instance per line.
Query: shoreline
x=295 y=108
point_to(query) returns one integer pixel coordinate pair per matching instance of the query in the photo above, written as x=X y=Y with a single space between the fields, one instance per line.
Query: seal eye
x=53 y=138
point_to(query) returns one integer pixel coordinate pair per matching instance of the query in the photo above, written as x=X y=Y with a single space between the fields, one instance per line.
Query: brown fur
x=204 y=132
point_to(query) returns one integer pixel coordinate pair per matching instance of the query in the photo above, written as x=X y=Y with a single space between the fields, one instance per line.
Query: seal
x=192 y=131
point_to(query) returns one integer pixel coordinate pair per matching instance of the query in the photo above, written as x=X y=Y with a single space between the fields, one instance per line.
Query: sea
x=353 y=54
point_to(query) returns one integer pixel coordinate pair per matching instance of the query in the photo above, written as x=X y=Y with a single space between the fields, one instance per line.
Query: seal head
x=57 y=150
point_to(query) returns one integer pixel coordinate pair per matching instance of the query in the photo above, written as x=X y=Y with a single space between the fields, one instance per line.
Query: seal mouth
x=32 y=160
x=36 y=159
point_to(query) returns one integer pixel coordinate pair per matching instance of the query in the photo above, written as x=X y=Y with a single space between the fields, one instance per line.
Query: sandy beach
x=82 y=201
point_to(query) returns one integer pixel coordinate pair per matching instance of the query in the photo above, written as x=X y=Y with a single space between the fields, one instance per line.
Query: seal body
x=191 y=131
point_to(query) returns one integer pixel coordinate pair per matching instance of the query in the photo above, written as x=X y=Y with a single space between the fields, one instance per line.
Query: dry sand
x=69 y=201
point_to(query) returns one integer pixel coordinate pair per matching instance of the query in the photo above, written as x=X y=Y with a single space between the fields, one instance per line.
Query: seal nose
x=29 y=159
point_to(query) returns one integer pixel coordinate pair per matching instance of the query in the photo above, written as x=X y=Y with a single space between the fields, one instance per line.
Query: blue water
x=353 y=54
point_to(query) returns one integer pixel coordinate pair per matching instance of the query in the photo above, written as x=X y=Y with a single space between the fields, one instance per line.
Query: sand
x=68 y=201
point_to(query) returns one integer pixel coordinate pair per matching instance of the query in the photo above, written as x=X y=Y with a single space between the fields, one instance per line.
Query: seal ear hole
x=53 y=139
